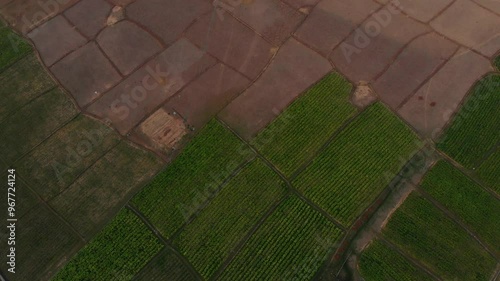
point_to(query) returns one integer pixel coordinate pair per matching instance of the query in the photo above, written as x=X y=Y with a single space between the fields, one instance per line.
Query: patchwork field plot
x=187 y=183
x=12 y=46
x=292 y=244
x=381 y=263
x=62 y=158
x=478 y=117
x=118 y=252
x=21 y=83
x=208 y=240
x=165 y=266
x=472 y=204
x=304 y=126
x=35 y=122
x=103 y=189
x=349 y=174
x=425 y=233
x=489 y=171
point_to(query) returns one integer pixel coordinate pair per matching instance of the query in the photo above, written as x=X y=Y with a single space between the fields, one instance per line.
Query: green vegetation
x=425 y=233
x=33 y=123
x=497 y=62
x=95 y=196
x=476 y=128
x=208 y=240
x=489 y=171
x=118 y=252
x=12 y=47
x=461 y=195
x=306 y=124
x=381 y=263
x=57 y=162
x=353 y=170
x=292 y=244
x=21 y=83
x=188 y=182
x=166 y=266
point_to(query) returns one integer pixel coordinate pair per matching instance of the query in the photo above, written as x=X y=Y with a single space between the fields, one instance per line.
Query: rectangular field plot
x=352 y=171
x=306 y=124
x=166 y=266
x=425 y=233
x=187 y=183
x=118 y=252
x=489 y=171
x=29 y=126
x=473 y=205
x=98 y=193
x=380 y=263
x=475 y=130
x=210 y=237
x=13 y=47
x=292 y=244
x=57 y=162
x=21 y=83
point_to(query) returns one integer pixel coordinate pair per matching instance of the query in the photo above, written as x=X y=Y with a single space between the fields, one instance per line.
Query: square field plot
x=489 y=171
x=21 y=83
x=358 y=164
x=167 y=265
x=475 y=129
x=380 y=263
x=97 y=194
x=118 y=252
x=176 y=193
x=209 y=239
x=425 y=233
x=473 y=205
x=291 y=244
x=57 y=162
x=306 y=124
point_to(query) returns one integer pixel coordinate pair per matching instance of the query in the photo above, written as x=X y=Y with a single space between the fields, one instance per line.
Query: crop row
x=118 y=252
x=475 y=129
x=306 y=124
x=489 y=171
x=192 y=179
x=380 y=263
x=471 y=203
x=208 y=239
x=292 y=244
x=346 y=177
x=425 y=233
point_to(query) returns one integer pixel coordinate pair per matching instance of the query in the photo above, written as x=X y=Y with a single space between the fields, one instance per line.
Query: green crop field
x=346 y=177
x=425 y=233
x=489 y=171
x=12 y=47
x=188 y=182
x=306 y=124
x=165 y=266
x=461 y=195
x=292 y=244
x=479 y=116
x=381 y=263
x=118 y=252
x=208 y=240
x=497 y=62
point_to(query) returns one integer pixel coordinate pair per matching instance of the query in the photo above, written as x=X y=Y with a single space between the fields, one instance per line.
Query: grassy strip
x=489 y=171
x=209 y=239
x=353 y=170
x=118 y=252
x=381 y=263
x=476 y=127
x=190 y=180
x=306 y=124
x=425 y=233
x=292 y=244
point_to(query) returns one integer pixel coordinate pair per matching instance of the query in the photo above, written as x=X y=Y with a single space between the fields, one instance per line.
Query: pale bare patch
x=363 y=95
x=117 y=14
x=163 y=129
x=305 y=10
